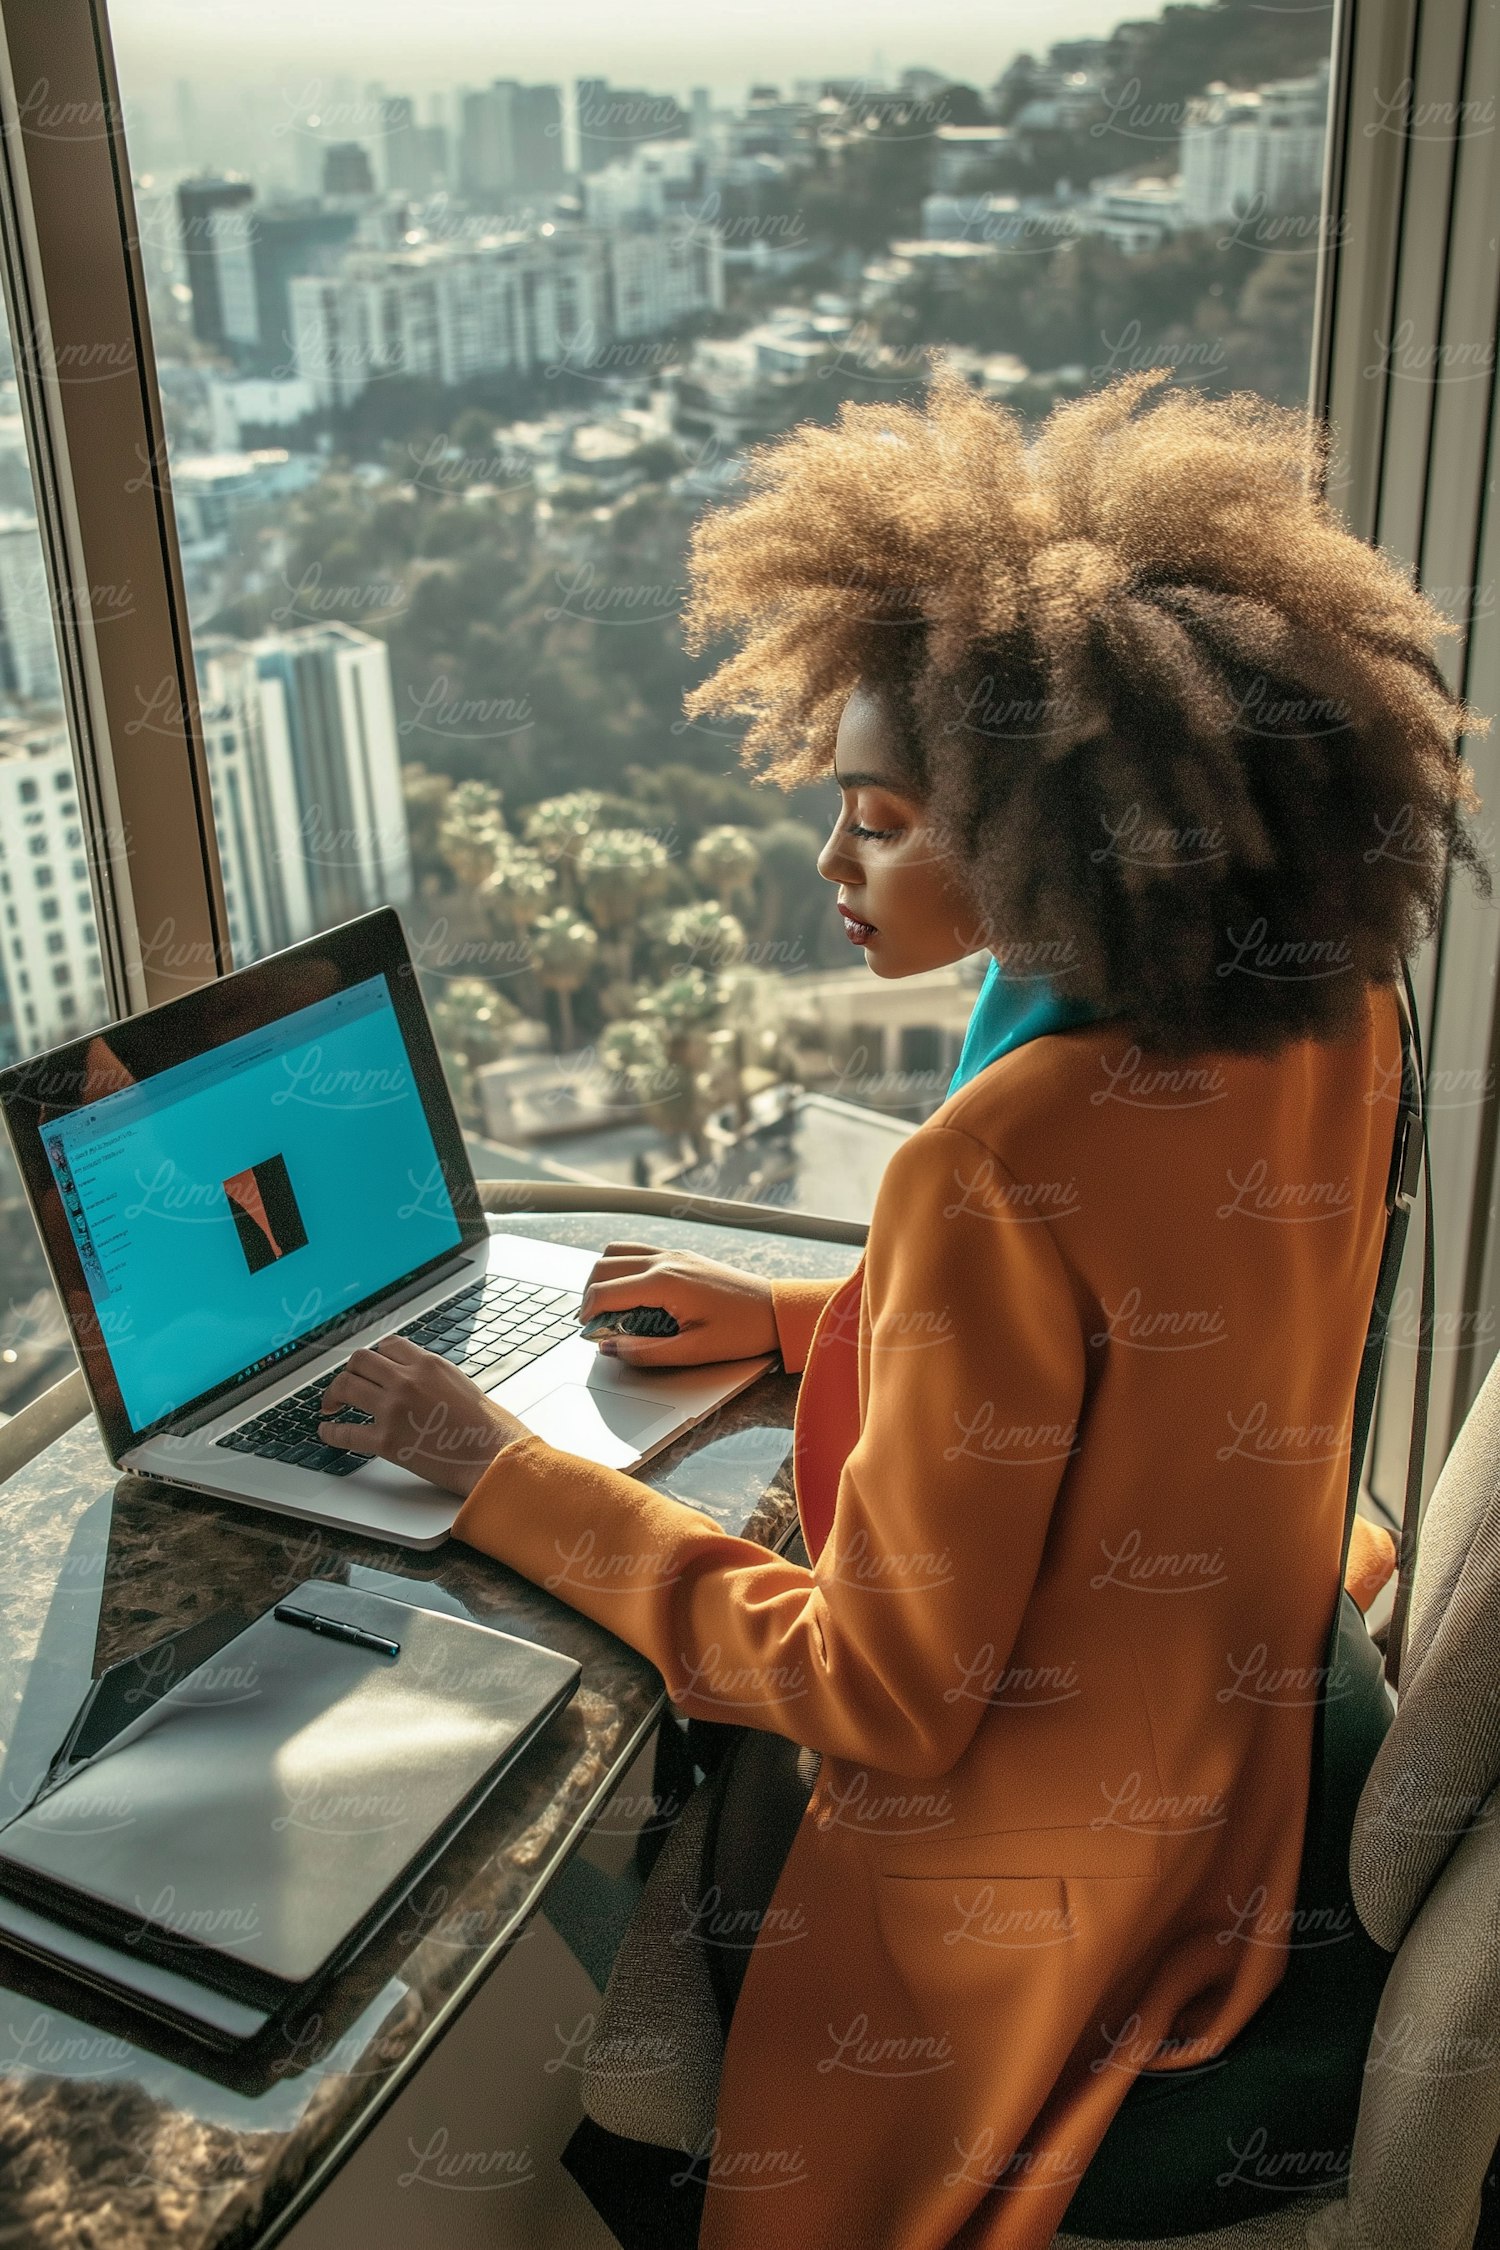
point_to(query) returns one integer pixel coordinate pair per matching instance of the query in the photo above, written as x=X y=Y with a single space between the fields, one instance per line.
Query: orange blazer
x=1071 y=1451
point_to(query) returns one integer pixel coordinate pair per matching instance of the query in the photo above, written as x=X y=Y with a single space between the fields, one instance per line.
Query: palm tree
x=727 y=859
x=472 y=832
x=638 y=1055
x=749 y=1002
x=704 y=931
x=558 y=825
x=426 y=798
x=619 y=870
x=471 y=1023
x=565 y=948
x=519 y=886
x=685 y=1009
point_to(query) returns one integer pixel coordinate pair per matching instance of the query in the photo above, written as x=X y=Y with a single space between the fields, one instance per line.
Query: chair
x=1425 y=1862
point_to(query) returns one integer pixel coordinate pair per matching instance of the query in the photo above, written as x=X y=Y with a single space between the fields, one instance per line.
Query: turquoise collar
x=1008 y=1012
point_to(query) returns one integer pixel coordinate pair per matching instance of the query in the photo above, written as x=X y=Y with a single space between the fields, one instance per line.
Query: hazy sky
x=418 y=45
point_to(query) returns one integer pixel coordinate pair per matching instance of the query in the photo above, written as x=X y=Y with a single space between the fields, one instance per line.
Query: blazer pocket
x=964 y=1916
x=1099 y=1851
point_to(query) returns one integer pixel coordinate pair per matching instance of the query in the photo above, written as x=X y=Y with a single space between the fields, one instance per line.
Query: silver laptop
x=236 y=1189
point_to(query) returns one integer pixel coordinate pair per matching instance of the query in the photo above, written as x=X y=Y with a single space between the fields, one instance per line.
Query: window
x=432 y=486
x=441 y=420
x=36 y=772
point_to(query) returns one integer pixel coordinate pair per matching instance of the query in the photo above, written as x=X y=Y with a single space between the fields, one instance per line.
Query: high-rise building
x=431 y=160
x=256 y=812
x=340 y=722
x=648 y=183
x=590 y=95
x=613 y=120
x=347 y=169
x=213 y=217
x=240 y=256
x=661 y=275
x=51 y=984
x=28 y=641
x=486 y=151
x=291 y=238
x=510 y=139
x=450 y=311
x=396 y=125
x=1255 y=151
x=539 y=138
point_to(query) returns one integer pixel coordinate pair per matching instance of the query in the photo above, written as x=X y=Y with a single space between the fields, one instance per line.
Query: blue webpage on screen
x=228 y=1206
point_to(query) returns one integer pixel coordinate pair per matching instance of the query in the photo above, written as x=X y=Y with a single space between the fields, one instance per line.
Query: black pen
x=336 y=1629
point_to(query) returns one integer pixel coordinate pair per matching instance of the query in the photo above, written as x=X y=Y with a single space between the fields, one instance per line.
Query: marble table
x=115 y=2137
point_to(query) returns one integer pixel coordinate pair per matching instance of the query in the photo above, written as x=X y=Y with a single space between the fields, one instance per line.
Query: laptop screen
x=229 y=1206
x=226 y=1178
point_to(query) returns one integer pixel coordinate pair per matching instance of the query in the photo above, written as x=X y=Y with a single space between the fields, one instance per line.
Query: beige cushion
x=1441 y=1758
x=1429 y=2116
x=1463 y=1499
x=653 y=2069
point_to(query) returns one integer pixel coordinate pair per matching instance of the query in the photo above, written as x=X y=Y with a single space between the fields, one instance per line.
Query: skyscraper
x=614 y=120
x=291 y=238
x=213 y=218
x=333 y=685
x=28 y=642
x=256 y=812
x=539 y=137
x=511 y=138
x=51 y=983
x=487 y=152
x=347 y=169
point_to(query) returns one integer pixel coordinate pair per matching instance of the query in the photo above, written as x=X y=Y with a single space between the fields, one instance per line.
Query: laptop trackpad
x=604 y=1425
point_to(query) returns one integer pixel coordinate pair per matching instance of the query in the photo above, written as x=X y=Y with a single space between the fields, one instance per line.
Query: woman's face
x=898 y=893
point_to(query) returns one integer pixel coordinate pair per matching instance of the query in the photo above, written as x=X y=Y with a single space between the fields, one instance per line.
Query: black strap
x=1411 y=1508
x=1407 y=1159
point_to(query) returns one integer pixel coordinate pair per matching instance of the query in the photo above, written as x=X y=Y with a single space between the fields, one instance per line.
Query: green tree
x=471 y=1023
x=619 y=870
x=727 y=860
x=704 y=932
x=426 y=797
x=519 y=886
x=557 y=827
x=565 y=948
x=472 y=832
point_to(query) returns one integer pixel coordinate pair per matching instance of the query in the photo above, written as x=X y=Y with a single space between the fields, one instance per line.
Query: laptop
x=236 y=1189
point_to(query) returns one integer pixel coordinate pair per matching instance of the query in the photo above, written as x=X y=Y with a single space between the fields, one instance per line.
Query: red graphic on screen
x=265 y=1213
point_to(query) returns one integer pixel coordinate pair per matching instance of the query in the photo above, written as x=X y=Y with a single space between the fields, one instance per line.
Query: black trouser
x=652 y=2198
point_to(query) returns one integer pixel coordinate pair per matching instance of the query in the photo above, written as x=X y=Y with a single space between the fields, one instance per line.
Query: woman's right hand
x=721 y=1313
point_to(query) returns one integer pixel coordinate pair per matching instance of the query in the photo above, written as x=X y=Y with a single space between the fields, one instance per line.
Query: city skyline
x=668 y=45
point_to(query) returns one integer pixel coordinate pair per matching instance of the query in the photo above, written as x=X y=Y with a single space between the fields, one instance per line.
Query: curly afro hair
x=1176 y=726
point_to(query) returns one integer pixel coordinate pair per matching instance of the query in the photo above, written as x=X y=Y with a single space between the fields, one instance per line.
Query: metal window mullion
x=1422 y=455
x=88 y=383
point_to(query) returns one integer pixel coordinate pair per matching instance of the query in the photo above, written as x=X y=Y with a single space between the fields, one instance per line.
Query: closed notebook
x=244 y=1833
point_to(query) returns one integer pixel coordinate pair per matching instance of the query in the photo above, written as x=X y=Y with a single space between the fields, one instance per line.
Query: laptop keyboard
x=490 y=1330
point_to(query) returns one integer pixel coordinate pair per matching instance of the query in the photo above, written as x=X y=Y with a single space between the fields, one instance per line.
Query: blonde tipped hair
x=1181 y=732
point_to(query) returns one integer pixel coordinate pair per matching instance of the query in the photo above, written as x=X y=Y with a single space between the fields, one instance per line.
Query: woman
x=1128 y=709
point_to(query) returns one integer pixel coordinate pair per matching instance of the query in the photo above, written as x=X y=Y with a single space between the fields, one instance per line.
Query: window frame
x=1409 y=240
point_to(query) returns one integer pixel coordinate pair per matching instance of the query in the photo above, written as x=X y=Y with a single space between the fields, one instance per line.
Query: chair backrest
x=1425 y=1865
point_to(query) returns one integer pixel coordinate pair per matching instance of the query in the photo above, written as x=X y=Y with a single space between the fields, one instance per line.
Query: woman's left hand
x=424 y=1415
